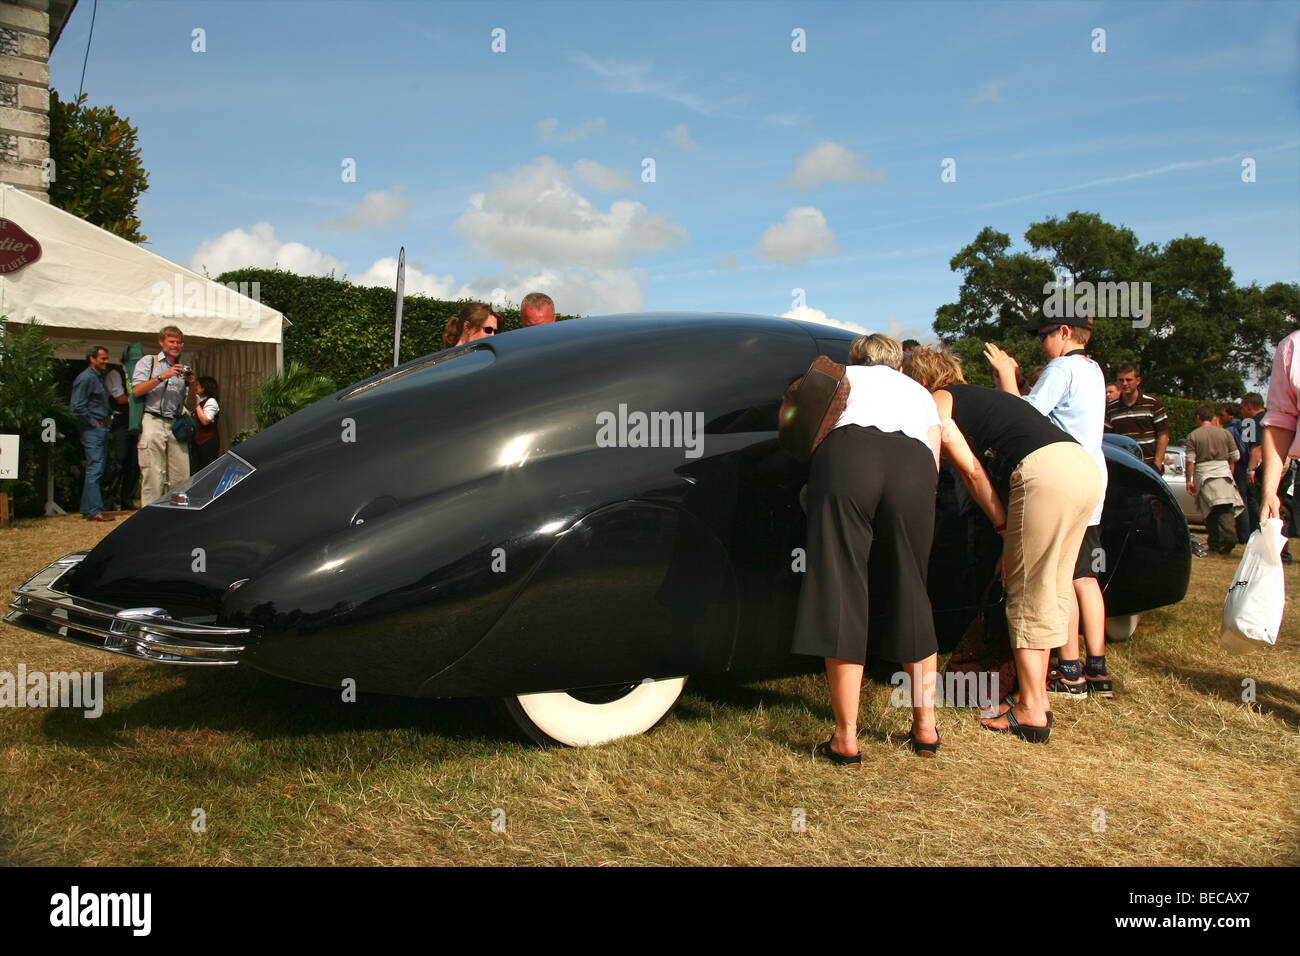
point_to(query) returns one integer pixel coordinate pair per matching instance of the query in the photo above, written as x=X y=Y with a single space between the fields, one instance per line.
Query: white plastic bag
x=1252 y=612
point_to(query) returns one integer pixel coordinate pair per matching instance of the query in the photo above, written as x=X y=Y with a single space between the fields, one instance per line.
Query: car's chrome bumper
x=145 y=633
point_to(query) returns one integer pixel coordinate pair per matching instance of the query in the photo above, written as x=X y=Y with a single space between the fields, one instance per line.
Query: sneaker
x=1099 y=685
x=1058 y=686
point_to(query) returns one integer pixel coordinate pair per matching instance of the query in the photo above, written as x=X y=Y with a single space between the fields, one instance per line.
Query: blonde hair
x=876 y=349
x=933 y=367
x=1080 y=335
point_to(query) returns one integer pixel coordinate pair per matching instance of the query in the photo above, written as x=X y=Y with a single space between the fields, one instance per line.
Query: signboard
x=8 y=456
x=18 y=247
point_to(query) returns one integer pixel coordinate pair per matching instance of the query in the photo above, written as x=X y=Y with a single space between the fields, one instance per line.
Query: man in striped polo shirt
x=1140 y=416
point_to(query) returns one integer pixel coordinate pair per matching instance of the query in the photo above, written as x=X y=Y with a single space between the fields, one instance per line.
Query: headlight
x=208 y=485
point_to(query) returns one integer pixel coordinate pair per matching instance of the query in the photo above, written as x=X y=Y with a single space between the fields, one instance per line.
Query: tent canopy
x=90 y=287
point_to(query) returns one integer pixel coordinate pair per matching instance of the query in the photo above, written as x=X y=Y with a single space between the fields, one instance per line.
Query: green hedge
x=346 y=331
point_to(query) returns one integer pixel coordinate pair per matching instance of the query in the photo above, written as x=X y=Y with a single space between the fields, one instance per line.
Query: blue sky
x=774 y=170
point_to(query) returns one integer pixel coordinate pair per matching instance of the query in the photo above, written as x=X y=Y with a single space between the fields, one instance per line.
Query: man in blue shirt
x=1072 y=393
x=91 y=405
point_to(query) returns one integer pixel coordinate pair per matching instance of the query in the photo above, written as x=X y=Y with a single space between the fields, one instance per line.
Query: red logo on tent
x=18 y=247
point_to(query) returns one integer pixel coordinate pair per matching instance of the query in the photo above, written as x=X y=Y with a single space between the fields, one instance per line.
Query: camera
x=185 y=370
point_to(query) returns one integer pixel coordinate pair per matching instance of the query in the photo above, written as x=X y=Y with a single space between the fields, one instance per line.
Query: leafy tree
x=98 y=175
x=1205 y=335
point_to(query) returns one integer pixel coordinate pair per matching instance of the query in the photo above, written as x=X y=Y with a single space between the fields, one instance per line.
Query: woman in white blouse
x=871 y=484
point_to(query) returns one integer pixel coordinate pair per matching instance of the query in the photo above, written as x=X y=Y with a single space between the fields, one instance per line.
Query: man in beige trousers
x=166 y=386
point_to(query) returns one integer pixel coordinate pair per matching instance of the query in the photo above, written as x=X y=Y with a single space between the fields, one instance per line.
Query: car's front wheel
x=591 y=716
x=1121 y=627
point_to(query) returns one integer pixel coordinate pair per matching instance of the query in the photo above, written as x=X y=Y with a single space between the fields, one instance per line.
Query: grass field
x=1177 y=770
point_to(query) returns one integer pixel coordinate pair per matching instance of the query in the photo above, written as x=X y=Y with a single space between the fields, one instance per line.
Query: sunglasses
x=1044 y=333
x=488 y=330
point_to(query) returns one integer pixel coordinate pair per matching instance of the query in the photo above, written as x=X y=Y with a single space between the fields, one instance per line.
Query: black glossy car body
x=454 y=528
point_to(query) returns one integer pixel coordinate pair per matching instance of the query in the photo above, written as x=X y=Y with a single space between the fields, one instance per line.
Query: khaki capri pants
x=1053 y=493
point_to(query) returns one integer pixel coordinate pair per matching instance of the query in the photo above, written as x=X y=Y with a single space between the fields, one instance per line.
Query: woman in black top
x=1041 y=489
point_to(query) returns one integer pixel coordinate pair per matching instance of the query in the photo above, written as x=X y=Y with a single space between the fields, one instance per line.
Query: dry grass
x=1184 y=772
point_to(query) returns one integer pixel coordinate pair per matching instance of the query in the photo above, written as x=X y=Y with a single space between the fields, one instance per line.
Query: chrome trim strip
x=145 y=633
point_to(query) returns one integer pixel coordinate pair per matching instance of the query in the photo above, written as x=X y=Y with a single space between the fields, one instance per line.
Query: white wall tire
x=1121 y=627
x=560 y=718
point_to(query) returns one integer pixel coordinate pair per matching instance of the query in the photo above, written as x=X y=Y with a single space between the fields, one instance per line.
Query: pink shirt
x=1284 y=391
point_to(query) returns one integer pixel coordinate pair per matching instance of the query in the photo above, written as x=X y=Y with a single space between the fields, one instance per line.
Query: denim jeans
x=95 y=443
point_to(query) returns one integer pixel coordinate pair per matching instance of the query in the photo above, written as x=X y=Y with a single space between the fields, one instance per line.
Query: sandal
x=1010 y=701
x=1100 y=685
x=1035 y=735
x=920 y=748
x=824 y=750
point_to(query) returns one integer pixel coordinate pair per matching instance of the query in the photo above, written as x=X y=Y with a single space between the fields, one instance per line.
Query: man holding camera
x=167 y=387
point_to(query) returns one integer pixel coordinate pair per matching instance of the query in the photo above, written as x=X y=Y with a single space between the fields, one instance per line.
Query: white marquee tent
x=90 y=287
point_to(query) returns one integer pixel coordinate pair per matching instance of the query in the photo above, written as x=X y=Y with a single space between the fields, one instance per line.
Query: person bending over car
x=871 y=484
x=1039 y=491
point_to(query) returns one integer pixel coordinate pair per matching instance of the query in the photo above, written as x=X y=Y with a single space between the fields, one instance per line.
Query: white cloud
x=808 y=314
x=575 y=291
x=680 y=136
x=532 y=216
x=382 y=208
x=384 y=273
x=626 y=77
x=259 y=247
x=785 y=120
x=990 y=92
x=603 y=178
x=831 y=163
x=802 y=236
x=728 y=263
x=550 y=132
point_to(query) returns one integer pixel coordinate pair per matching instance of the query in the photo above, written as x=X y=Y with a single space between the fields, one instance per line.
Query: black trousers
x=124 y=482
x=871 y=498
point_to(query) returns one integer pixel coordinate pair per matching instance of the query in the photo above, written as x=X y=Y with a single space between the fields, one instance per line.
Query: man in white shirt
x=167 y=387
x=1072 y=393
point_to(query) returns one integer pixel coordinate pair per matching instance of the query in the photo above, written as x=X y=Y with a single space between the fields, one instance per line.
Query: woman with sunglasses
x=475 y=321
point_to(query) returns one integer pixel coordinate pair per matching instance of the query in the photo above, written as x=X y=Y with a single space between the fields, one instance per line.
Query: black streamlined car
x=571 y=518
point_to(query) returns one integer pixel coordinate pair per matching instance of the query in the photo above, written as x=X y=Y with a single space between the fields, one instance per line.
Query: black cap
x=1042 y=321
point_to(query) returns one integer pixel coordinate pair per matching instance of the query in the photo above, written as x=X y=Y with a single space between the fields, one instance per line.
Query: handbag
x=813 y=404
x=184 y=426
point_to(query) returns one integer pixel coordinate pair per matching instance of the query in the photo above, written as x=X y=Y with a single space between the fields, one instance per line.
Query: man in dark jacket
x=93 y=408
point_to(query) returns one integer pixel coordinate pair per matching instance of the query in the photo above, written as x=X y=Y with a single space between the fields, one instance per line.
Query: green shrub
x=279 y=396
x=32 y=391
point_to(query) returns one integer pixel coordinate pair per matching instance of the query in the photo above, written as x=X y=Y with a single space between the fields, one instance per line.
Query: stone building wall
x=26 y=29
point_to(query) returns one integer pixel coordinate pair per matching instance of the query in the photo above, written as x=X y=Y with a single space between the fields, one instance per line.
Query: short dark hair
x=1129 y=367
x=1255 y=399
x=93 y=351
x=1232 y=408
x=1204 y=412
x=910 y=344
